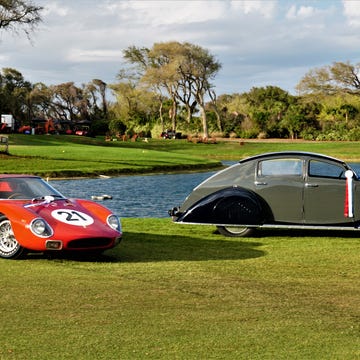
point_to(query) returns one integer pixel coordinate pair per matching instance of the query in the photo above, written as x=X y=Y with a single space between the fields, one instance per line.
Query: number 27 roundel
x=72 y=217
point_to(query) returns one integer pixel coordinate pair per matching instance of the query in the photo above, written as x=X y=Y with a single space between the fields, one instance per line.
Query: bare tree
x=331 y=79
x=198 y=67
x=183 y=70
x=19 y=14
x=97 y=86
x=70 y=101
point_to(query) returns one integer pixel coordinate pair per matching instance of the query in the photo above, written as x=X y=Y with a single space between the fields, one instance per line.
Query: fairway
x=59 y=156
x=173 y=291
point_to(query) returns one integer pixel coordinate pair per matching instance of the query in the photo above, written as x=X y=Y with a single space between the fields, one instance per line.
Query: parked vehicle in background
x=293 y=190
x=170 y=134
x=82 y=128
x=7 y=124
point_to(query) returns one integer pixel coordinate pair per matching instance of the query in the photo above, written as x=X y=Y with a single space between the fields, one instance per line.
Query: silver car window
x=280 y=167
x=324 y=169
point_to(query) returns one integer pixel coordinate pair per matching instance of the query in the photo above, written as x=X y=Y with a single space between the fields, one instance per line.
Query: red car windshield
x=26 y=188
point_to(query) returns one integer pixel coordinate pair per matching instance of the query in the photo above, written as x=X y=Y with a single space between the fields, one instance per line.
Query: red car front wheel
x=9 y=246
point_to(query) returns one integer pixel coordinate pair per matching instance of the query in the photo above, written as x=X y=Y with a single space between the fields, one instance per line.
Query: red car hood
x=68 y=218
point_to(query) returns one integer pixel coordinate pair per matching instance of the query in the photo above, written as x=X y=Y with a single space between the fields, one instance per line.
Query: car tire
x=235 y=231
x=9 y=246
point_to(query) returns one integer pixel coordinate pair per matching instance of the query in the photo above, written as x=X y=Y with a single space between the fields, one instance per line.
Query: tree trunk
x=218 y=120
x=161 y=116
x=188 y=113
x=172 y=114
x=204 y=122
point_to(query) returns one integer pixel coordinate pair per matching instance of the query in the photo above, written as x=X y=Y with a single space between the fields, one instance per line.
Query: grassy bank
x=184 y=292
x=71 y=156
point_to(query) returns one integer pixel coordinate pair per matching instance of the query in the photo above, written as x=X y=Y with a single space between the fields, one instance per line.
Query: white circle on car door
x=72 y=217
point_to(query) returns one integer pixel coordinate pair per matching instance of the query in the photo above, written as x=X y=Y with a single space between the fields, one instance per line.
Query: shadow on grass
x=301 y=233
x=145 y=247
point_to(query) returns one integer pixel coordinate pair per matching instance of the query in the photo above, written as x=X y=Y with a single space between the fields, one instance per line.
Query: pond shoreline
x=161 y=171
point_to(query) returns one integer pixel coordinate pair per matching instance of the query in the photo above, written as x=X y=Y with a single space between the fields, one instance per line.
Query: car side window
x=324 y=169
x=280 y=167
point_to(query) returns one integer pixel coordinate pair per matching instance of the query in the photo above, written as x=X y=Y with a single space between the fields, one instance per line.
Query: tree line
x=150 y=99
x=66 y=103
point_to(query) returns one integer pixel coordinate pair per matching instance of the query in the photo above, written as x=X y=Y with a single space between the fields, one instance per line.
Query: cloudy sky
x=258 y=43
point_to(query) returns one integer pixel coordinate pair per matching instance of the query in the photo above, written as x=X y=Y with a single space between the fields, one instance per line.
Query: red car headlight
x=114 y=222
x=41 y=228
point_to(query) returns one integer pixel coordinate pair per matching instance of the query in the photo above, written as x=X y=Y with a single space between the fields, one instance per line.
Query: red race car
x=36 y=217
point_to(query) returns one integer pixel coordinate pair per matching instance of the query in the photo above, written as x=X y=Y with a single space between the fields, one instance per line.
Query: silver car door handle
x=260 y=183
x=311 y=185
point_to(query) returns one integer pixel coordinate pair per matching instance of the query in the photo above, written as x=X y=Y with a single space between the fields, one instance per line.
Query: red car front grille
x=91 y=243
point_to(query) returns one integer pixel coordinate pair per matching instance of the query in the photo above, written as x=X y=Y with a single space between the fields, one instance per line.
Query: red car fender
x=95 y=208
x=20 y=219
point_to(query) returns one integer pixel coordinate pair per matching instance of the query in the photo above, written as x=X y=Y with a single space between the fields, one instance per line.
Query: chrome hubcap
x=8 y=242
x=236 y=229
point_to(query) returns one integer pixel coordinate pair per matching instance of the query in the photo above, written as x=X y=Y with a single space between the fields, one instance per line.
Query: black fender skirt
x=230 y=206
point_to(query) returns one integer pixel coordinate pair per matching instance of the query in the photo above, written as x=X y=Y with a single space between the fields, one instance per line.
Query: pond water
x=139 y=196
x=135 y=196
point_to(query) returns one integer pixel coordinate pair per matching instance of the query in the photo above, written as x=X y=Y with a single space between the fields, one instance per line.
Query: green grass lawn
x=70 y=156
x=74 y=156
x=173 y=291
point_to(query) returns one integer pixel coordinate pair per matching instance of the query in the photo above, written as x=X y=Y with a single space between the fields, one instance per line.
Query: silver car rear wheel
x=235 y=231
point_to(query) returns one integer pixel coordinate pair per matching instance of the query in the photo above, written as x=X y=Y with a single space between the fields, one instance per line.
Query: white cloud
x=264 y=8
x=79 y=55
x=54 y=8
x=258 y=42
x=352 y=12
x=300 y=12
x=159 y=13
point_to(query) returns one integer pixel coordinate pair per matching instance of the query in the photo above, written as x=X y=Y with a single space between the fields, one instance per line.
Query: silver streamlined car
x=290 y=189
